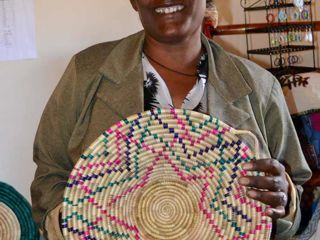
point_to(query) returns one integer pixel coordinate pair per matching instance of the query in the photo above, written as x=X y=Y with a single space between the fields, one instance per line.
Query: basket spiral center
x=167 y=210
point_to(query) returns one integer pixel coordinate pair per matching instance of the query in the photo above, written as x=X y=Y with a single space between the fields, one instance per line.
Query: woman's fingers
x=273 y=199
x=269 y=166
x=270 y=189
x=276 y=213
x=271 y=183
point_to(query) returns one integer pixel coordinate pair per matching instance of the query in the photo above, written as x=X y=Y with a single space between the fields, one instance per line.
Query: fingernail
x=269 y=212
x=247 y=166
x=252 y=194
x=244 y=181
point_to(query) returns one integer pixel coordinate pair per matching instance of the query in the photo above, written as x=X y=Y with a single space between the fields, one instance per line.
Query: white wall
x=62 y=29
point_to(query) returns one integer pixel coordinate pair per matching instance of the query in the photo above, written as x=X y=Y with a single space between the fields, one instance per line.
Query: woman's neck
x=182 y=56
x=180 y=61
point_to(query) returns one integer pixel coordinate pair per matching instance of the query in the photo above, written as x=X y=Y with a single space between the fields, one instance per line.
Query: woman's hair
x=209 y=2
x=212 y=12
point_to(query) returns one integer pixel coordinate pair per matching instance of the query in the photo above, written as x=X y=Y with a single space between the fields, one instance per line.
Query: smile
x=169 y=10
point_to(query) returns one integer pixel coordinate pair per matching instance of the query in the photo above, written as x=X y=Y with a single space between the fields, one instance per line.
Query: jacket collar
x=227 y=85
x=224 y=76
x=124 y=59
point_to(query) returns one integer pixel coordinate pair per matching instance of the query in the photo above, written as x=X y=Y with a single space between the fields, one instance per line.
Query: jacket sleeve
x=50 y=151
x=284 y=145
x=52 y=224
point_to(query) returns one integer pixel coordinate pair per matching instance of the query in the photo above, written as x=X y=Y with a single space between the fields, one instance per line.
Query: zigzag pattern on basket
x=163 y=174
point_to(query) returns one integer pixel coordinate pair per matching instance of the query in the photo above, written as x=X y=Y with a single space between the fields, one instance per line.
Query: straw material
x=9 y=224
x=167 y=175
x=15 y=216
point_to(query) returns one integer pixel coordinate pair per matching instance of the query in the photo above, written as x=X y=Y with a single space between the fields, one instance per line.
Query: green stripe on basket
x=22 y=209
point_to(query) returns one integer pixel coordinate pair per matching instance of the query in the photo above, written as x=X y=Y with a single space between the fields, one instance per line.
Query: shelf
x=272 y=6
x=281 y=49
x=239 y=29
x=281 y=27
x=278 y=72
x=273 y=28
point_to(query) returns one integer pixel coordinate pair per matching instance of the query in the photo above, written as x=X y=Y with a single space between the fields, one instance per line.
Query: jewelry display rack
x=289 y=30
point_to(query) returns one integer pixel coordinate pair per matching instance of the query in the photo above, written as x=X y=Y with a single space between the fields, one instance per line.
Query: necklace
x=170 y=69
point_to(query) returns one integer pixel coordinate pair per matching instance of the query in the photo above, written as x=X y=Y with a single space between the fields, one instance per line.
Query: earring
x=270 y=18
x=310 y=35
x=306 y=36
x=300 y=35
x=282 y=16
x=295 y=15
x=305 y=14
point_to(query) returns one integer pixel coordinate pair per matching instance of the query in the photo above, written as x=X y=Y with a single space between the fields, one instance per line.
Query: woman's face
x=170 y=21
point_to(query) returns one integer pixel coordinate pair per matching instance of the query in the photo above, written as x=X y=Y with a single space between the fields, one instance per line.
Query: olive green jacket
x=104 y=84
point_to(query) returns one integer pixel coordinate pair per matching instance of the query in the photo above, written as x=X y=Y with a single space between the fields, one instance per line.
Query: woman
x=111 y=81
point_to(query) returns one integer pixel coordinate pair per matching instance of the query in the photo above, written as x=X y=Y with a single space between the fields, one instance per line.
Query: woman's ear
x=134 y=4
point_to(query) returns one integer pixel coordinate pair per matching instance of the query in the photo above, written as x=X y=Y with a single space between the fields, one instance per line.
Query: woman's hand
x=271 y=189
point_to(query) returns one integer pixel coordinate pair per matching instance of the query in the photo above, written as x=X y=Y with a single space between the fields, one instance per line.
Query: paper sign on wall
x=17 y=34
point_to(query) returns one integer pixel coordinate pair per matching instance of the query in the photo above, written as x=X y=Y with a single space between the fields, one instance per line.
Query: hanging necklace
x=170 y=69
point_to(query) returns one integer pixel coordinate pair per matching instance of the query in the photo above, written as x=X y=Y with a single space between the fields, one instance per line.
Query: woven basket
x=16 y=221
x=163 y=174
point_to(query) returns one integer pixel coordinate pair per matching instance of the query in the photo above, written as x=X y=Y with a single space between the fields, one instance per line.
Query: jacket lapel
x=122 y=88
x=226 y=86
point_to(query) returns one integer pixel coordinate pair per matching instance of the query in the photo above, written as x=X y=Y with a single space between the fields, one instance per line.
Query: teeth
x=168 y=10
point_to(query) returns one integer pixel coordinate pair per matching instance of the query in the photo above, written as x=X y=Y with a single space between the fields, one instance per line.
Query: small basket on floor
x=16 y=221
